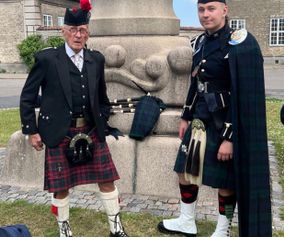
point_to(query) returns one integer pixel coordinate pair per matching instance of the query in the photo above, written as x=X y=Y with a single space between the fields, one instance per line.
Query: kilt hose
x=217 y=174
x=60 y=175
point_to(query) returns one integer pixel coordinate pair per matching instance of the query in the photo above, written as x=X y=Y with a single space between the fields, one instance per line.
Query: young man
x=223 y=130
x=71 y=123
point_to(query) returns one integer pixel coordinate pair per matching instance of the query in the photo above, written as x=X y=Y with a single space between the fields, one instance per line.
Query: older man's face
x=76 y=36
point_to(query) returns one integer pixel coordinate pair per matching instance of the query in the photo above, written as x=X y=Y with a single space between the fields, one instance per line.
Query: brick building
x=20 y=18
x=265 y=20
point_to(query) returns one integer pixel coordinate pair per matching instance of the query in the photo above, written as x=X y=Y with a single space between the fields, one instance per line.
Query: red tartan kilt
x=60 y=176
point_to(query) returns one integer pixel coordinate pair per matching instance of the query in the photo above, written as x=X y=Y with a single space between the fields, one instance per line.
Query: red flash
x=85 y=5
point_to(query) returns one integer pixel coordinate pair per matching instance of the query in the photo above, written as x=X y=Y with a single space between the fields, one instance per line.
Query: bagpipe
x=124 y=105
x=146 y=111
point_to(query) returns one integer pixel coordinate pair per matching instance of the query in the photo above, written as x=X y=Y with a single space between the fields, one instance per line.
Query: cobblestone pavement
x=160 y=206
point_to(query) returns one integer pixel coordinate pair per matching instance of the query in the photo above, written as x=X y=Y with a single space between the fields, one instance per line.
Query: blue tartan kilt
x=217 y=174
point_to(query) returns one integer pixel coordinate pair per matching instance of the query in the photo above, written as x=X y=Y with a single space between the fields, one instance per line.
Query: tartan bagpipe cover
x=146 y=115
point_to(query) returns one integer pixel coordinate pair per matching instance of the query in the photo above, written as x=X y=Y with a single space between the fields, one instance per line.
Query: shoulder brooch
x=238 y=36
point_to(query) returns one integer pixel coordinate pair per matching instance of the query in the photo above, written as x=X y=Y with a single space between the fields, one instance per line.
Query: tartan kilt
x=59 y=175
x=217 y=174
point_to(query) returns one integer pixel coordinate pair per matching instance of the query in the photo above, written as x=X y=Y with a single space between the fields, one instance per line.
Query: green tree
x=34 y=43
x=54 y=41
x=28 y=47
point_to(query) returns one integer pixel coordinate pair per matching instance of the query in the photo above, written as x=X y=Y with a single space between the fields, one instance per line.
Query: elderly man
x=223 y=130
x=71 y=122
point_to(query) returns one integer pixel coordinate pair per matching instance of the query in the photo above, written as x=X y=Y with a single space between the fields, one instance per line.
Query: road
x=10 y=90
x=274 y=81
x=12 y=84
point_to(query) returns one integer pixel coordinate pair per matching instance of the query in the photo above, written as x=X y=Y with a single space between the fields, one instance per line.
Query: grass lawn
x=9 y=123
x=276 y=131
x=84 y=223
x=89 y=223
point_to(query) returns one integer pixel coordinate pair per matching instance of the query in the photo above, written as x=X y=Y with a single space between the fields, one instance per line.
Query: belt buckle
x=80 y=122
x=202 y=87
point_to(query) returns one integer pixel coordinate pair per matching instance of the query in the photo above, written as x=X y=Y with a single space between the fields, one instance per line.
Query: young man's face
x=212 y=15
x=76 y=36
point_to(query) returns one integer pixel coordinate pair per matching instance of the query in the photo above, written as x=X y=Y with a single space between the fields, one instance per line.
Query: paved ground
x=160 y=206
x=274 y=81
x=10 y=90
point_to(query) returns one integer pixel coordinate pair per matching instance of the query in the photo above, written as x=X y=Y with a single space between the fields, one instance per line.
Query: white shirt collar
x=71 y=53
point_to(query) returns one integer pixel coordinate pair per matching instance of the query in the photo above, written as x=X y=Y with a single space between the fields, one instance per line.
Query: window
x=276 y=32
x=236 y=24
x=60 y=21
x=47 y=20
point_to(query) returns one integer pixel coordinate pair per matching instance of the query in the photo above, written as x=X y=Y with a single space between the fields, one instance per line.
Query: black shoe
x=118 y=234
x=65 y=229
x=163 y=230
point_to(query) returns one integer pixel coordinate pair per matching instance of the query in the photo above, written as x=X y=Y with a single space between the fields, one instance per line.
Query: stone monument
x=141 y=44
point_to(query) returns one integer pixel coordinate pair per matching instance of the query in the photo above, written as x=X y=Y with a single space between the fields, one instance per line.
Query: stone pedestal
x=159 y=64
x=144 y=167
x=133 y=17
x=23 y=165
x=140 y=42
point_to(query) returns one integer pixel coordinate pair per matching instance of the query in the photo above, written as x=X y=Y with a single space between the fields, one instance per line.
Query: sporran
x=195 y=152
x=80 y=149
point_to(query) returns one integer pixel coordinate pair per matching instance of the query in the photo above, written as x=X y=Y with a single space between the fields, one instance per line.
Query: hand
x=225 y=152
x=182 y=128
x=35 y=141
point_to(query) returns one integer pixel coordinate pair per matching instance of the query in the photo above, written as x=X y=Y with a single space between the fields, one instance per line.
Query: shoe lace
x=121 y=234
x=65 y=229
x=119 y=230
x=229 y=228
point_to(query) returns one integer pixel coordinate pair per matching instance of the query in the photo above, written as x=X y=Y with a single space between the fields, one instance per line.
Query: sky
x=186 y=11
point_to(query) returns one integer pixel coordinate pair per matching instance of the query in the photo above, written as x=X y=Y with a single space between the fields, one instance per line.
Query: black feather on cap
x=206 y=1
x=77 y=17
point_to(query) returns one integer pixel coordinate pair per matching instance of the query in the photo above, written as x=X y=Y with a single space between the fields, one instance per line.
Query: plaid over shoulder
x=250 y=158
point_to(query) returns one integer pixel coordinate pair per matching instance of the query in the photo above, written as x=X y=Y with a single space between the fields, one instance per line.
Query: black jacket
x=50 y=73
x=210 y=65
